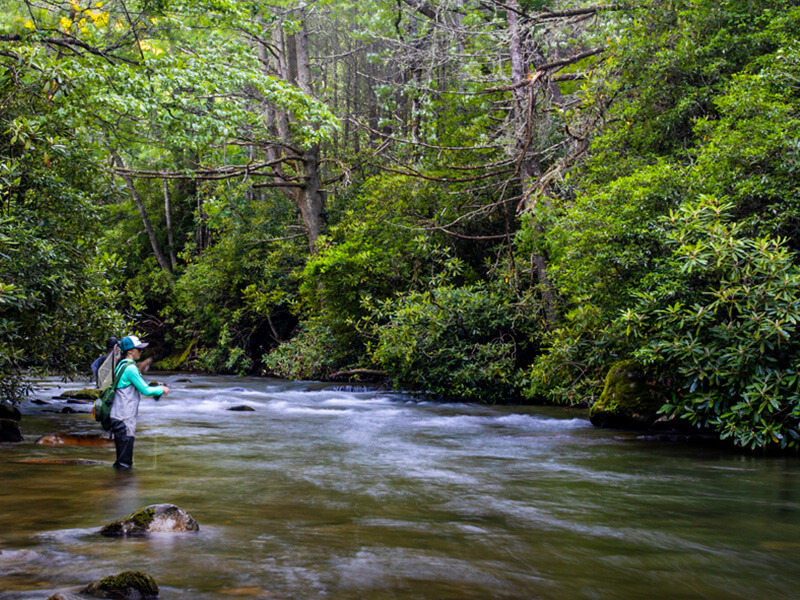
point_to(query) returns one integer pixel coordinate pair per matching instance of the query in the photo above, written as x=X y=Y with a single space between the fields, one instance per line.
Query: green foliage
x=238 y=287
x=450 y=342
x=573 y=365
x=57 y=304
x=733 y=348
x=609 y=238
x=370 y=254
x=314 y=353
x=699 y=98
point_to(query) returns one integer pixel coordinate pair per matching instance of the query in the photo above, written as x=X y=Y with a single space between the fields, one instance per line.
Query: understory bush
x=314 y=353
x=450 y=342
x=734 y=347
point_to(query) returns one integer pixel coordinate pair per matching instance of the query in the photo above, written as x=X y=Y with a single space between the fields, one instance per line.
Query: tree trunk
x=310 y=199
x=290 y=60
x=148 y=226
x=529 y=168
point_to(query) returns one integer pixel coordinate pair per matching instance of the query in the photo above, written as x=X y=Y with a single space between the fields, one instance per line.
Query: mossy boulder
x=87 y=394
x=10 y=431
x=9 y=411
x=174 y=362
x=628 y=400
x=128 y=585
x=157 y=518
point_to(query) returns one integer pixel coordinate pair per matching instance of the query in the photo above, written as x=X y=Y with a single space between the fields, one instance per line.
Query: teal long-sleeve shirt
x=131 y=376
x=129 y=392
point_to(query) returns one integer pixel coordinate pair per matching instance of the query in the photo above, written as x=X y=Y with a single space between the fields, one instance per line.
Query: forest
x=482 y=200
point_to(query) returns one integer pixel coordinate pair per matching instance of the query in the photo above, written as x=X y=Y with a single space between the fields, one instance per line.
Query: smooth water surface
x=323 y=493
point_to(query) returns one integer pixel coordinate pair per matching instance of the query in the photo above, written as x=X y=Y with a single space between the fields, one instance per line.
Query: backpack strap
x=120 y=371
x=114 y=385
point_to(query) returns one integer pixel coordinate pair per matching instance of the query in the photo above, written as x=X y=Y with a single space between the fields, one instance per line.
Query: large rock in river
x=156 y=518
x=128 y=585
x=9 y=411
x=87 y=394
x=628 y=401
x=10 y=431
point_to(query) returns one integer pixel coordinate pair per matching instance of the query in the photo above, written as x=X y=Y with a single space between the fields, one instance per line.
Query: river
x=320 y=493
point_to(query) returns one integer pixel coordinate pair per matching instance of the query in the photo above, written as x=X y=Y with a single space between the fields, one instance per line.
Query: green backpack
x=101 y=411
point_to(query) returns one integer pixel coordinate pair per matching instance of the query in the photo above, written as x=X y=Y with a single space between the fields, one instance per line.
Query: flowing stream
x=322 y=493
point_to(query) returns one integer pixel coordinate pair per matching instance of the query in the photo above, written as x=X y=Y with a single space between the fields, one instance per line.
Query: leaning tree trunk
x=168 y=216
x=148 y=226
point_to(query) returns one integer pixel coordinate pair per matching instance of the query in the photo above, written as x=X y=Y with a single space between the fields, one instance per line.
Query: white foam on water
x=514 y=421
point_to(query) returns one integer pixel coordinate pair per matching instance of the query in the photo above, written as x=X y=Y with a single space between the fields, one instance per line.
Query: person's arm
x=134 y=378
x=96 y=364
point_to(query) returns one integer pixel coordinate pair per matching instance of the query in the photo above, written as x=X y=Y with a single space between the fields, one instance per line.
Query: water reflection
x=340 y=493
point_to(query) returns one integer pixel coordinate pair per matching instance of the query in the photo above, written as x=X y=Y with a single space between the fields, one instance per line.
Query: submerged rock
x=128 y=585
x=9 y=411
x=10 y=431
x=75 y=439
x=628 y=401
x=156 y=518
x=60 y=461
x=242 y=408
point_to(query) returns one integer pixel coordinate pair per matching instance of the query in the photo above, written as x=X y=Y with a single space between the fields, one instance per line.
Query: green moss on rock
x=175 y=361
x=155 y=518
x=87 y=394
x=136 y=524
x=128 y=585
x=628 y=401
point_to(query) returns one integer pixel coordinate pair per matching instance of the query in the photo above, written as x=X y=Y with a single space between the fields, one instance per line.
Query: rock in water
x=88 y=394
x=157 y=518
x=242 y=408
x=628 y=400
x=128 y=585
x=9 y=411
x=10 y=431
x=75 y=439
x=59 y=461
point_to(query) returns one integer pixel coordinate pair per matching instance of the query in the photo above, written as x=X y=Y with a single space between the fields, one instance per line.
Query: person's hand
x=166 y=389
